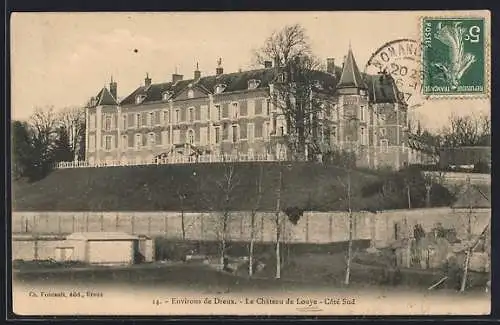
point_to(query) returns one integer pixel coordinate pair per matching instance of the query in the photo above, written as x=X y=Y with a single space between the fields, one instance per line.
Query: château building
x=235 y=114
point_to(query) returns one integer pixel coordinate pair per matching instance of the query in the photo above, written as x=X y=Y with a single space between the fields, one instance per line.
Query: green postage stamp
x=453 y=56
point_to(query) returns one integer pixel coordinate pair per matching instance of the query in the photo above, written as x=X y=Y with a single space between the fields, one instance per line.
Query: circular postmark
x=401 y=60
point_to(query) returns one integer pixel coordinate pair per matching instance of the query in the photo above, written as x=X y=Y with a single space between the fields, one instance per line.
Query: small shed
x=104 y=247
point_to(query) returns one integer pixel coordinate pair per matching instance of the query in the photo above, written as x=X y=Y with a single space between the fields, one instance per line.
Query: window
x=138 y=141
x=157 y=118
x=220 y=88
x=251 y=107
x=362 y=112
x=151 y=139
x=203 y=135
x=218 y=112
x=225 y=132
x=243 y=132
x=150 y=119
x=165 y=137
x=384 y=145
x=190 y=137
x=403 y=148
x=91 y=142
x=107 y=142
x=92 y=121
x=334 y=133
x=282 y=131
x=252 y=83
x=177 y=136
x=258 y=107
x=382 y=132
x=124 y=121
x=235 y=133
x=362 y=131
x=107 y=122
x=190 y=93
x=139 y=99
x=177 y=116
x=203 y=112
x=258 y=130
x=266 y=129
x=234 y=110
x=138 y=120
x=124 y=142
x=191 y=114
x=250 y=131
x=268 y=106
x=217 y=135
x=144 y=119
x=130 y=141
x=166 y=95
x=166 y=119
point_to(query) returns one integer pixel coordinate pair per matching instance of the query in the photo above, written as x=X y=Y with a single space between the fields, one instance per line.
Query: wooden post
x=165 y=221
x=87 y=222
x=307 y=228
x=133 y=224
x=73 y=226
x=59 y=230
x=149 y=225
x=102 y=222
x=116 y=221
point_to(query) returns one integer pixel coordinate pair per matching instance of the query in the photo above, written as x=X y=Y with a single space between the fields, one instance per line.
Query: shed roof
x=101 y=236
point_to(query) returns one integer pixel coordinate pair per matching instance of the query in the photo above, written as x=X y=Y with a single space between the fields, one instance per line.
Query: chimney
x=147 y=80
x=113 y=88
x=176 y=77
x=197 y=72
x=219 y=70
x=330 y=65
x=268 y=64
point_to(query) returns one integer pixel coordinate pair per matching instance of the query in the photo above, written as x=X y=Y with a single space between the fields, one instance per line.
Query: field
x=193 y=187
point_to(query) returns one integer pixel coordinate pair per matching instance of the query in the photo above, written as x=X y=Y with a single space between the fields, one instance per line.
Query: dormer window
x=253 y=83
x=220 y=88
x=139 y=99
x=190 y=93
x=166 y=95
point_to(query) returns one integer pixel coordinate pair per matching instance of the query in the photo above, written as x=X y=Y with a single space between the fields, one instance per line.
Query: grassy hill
x=159 y=187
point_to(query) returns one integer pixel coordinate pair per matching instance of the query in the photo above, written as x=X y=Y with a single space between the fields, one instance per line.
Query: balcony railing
x=175 y=159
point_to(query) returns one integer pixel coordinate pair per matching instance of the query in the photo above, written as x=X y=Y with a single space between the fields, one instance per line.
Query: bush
x=482 y=167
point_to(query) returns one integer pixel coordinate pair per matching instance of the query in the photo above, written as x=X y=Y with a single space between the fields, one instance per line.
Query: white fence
x=170 y=160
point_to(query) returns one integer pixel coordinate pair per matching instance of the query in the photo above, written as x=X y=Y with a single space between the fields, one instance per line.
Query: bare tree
x=252 y=221
x=295 y=89
x=43 y=124
x=73 y=120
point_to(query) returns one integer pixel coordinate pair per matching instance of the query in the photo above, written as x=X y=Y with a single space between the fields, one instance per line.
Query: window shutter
x=158 y=138
x=144 y=117
x=243 y=108
x=144 y=140
x=225 y=110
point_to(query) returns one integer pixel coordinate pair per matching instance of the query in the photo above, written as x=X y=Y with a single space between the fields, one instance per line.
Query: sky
x=62 y=59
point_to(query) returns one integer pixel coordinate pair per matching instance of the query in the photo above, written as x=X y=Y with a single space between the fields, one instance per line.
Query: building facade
x=235 y=114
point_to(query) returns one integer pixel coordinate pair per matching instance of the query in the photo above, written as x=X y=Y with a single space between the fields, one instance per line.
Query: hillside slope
x=159 y=187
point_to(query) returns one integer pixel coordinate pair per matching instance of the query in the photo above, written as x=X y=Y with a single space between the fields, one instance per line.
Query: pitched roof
x=382 y=89
x=350 y=74
x=234 y=82
x=104 y=97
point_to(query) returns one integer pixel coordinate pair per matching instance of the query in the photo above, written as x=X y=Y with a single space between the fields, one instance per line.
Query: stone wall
x=313 y=227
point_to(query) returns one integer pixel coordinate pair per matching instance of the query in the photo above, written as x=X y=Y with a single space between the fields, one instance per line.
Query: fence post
x=73 y=228
x=102 y=222
x=149 y=225
x=262 y=227
x=86 y=222
x=59 y=224
x=165 y=221
x=133 y=224
x=116 y=221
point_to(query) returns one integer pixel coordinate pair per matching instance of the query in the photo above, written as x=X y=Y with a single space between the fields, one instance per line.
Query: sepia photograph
x=251 y=163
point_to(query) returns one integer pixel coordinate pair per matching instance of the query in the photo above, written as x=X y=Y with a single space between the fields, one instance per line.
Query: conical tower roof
x=351 y=78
